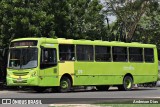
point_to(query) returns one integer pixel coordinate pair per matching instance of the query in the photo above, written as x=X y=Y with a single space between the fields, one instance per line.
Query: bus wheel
x=39 y=89
x=127 y=84
x=65 y=85
x=102 y=87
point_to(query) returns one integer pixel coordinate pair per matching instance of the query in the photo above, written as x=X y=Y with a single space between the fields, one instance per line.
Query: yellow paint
x=64 y=41
x=24 y=77
x=66 y=67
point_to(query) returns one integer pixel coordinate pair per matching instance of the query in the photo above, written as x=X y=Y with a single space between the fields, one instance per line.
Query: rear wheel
x=127 y=84
x=65 y=85
x=102 y=87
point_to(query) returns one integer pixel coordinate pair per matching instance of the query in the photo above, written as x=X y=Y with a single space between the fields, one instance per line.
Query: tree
x=81 y=19
x=148 y=29
x=128 y=13
x=24 y=18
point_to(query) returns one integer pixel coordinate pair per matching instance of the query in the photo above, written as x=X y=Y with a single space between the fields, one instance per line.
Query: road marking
x=3 y=92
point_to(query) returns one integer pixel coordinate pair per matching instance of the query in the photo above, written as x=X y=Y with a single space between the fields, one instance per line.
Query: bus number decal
x=80 y=71
x=128 y=68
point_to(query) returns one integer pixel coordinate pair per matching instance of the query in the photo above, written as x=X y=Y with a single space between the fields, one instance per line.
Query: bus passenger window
x=102 y=53
x=119 y=54
x=66 y=52
x=84 y=52
x=135 y=54
x=149 y=55
x=48 y=57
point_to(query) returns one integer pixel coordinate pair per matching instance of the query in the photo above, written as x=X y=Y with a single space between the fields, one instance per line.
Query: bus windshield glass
x=23 y=58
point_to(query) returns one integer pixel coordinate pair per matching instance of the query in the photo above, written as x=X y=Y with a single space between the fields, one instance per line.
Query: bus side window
x=149 y=55
x=102 y=53
x=135 y=54
x=66 y=52
x=48 y=58
x=84 y=53
x=119 y=54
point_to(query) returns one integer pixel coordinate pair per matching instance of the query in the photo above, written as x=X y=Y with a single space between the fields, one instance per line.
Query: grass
x=128 y=105
x=116 y=103
x=106 y=105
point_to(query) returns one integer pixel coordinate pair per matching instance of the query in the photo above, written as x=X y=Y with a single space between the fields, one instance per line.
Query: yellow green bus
x=62 y=64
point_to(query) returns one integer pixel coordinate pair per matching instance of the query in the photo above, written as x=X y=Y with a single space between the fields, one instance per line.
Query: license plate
x=19 y=79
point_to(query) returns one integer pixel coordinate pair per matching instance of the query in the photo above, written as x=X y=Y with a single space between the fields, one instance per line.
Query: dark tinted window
x=48 y=57
x=84 y=52
x=66 y=52
x=102 y=53
x=135 y=54
x=148 y=54
x=119 y=54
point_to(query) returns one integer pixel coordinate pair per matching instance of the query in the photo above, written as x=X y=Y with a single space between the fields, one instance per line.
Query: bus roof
x=86 y=42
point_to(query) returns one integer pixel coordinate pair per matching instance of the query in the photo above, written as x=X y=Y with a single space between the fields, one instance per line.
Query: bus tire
x=127 y=84
x=65 y=85
x=102 y=87
x=39 y=89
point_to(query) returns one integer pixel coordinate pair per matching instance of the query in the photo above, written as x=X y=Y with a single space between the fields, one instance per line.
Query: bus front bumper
x=33 y=81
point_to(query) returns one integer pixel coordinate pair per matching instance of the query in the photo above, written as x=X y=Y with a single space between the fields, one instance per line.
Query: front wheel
x=65 y=85
x=127 y=84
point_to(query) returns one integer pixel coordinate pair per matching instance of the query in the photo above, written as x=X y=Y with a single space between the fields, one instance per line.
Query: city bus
x=63 y=64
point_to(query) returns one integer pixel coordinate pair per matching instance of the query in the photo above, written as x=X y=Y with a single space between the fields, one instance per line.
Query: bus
x=63 y=64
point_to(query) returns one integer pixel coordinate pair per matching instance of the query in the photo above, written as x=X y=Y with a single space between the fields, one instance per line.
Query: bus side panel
x=66 y=67
x=97 y=73
x=112 y=73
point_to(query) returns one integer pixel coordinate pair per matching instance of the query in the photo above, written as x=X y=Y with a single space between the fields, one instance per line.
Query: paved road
x=83 y=96
x=112 y=93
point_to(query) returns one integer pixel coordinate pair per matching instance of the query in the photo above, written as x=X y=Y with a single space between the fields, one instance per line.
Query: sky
x=111 y=17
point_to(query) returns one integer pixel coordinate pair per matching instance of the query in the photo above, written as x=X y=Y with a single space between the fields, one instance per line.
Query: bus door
x=48 y=65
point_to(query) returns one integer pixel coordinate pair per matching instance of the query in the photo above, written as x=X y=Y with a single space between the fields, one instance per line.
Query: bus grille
x=23 y=81
x=20 y=73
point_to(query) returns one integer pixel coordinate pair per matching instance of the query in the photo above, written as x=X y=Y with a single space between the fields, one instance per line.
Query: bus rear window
x=24 y=43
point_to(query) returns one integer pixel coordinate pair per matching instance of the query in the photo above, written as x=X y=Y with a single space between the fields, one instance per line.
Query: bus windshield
x=23 y=58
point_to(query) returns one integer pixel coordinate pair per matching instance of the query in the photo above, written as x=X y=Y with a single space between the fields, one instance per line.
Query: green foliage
x=50 y=18
x=148 y=30
x=129 y=14
x=24 y=18
x=137 y=20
